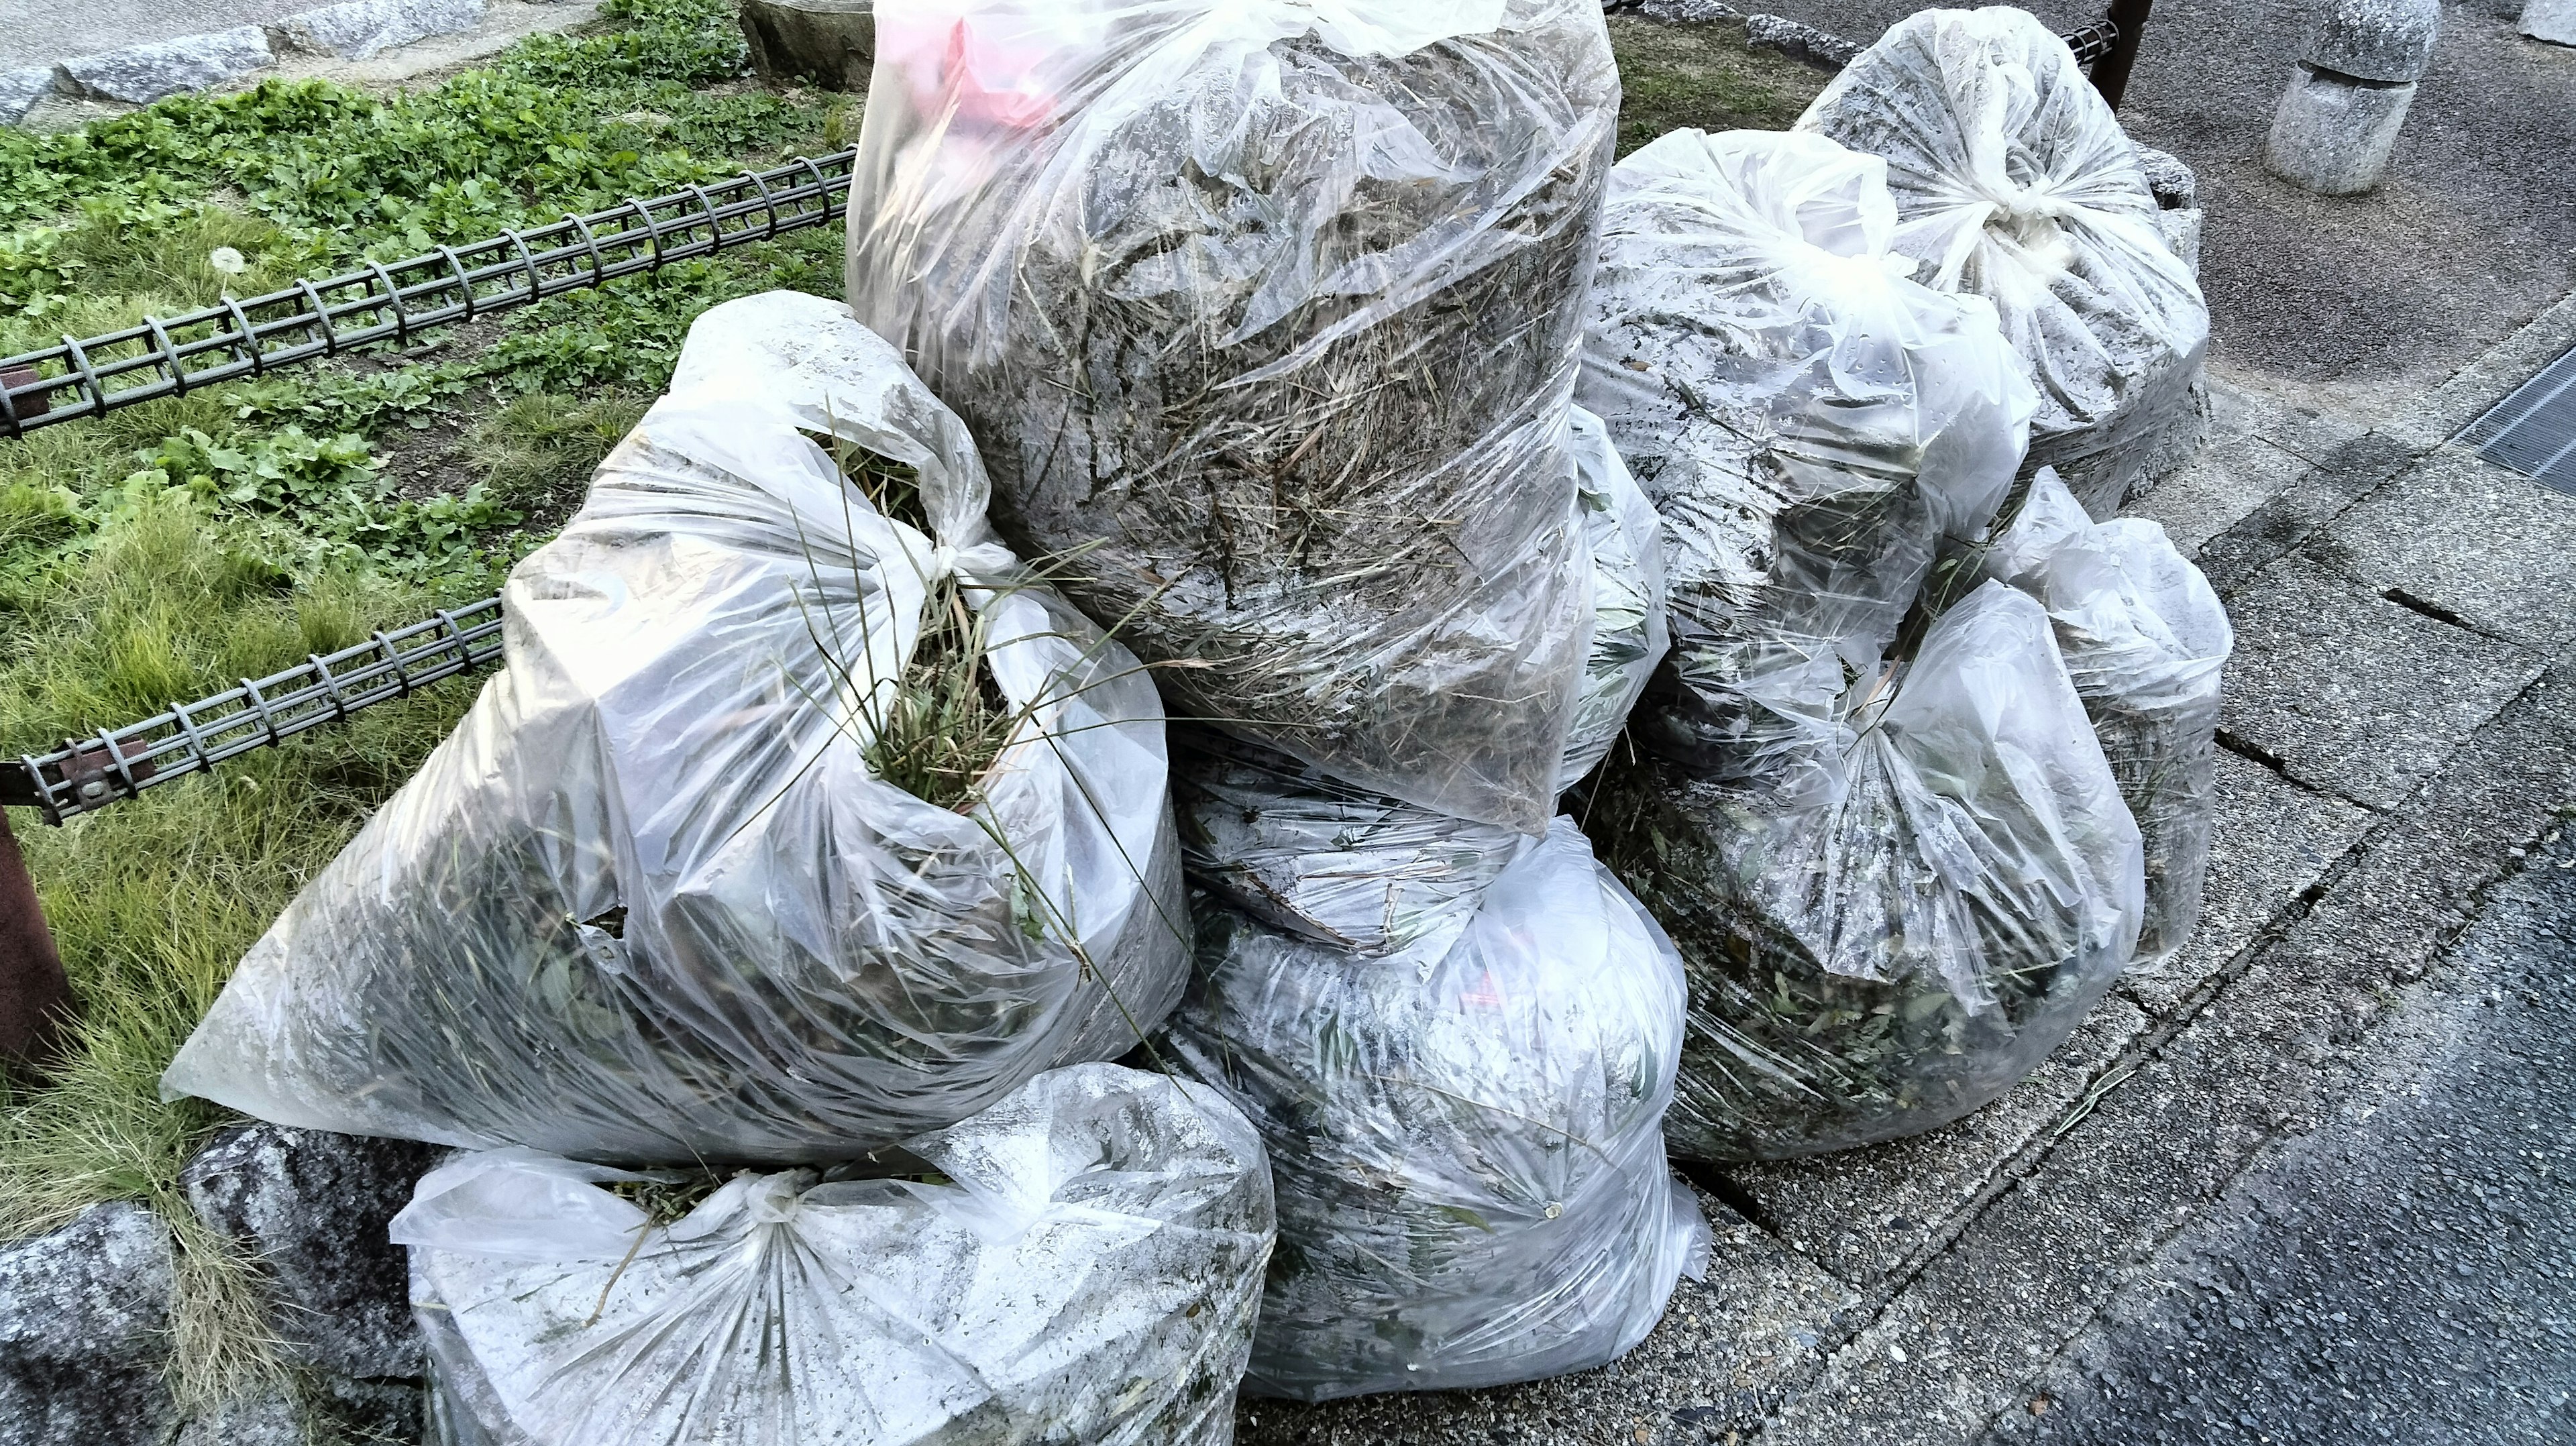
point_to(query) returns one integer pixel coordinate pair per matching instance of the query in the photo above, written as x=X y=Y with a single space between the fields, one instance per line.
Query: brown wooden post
x=2111 y=72
x=35 y=995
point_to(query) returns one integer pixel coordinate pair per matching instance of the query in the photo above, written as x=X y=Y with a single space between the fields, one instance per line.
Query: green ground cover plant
x=1703 y=76
x=163 y=552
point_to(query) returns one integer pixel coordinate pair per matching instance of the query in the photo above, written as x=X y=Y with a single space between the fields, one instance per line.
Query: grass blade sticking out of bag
x=787 y=832
x=939 y=730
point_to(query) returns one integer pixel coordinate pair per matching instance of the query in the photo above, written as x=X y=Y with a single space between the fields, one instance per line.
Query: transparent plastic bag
x=1302 y=851
x=1631 y=625
x=1809 y=424
x=1080 y=1263
x=2145 y=640
x=1269 y=308
x=2014 y=182
x=1465 y=1140
x=1882 y=962
x=652 y=901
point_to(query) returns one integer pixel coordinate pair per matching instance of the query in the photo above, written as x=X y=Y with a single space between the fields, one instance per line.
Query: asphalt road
x=2407 y=1277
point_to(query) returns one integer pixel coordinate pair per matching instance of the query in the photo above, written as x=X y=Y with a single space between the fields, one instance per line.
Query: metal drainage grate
x=2534 y=430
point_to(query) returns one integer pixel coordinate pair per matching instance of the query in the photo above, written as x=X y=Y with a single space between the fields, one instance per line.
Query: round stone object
x=2384 y=40
x=2550 y=20
x=2333 y=134
x=832 y=43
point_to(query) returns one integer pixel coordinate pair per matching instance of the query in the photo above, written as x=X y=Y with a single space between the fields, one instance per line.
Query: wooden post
x=35 y=995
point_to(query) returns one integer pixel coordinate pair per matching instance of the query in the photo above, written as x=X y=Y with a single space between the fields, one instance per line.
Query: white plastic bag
x=1809 y=424
x=1303 y=851
x=1881 y=962
x=1631 y=621
x=1083 y=1267
x=2145 y=640
x=1269 y=308
x=1465 y=1138
x=2014 y=182
x=650 y=902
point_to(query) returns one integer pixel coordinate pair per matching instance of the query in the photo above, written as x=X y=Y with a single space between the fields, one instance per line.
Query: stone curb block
x=2551 y=20
x=313 y=1207
x=20 y=89
x=142 y=74
x=85 y=1331
x=1685 y=12
x=1799 y=41
x=359 y=29
x=832 y=43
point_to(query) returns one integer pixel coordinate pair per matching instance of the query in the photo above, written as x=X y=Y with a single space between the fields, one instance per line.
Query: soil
x=1703 y=75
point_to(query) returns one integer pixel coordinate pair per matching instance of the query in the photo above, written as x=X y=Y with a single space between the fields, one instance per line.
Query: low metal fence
x=394 y=301
x=88 y=774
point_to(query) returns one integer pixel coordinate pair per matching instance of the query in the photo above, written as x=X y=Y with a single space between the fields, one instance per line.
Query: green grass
x=154 y=901
x=163 y=552
x=1703 y=76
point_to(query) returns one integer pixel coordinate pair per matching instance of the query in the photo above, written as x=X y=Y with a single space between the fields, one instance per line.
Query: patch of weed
x=1703 y=76
x=154 y=901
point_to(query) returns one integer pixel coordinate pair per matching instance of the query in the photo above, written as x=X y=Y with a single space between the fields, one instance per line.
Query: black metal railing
x=392 y=301
x=87 y=774
x=2110 y=47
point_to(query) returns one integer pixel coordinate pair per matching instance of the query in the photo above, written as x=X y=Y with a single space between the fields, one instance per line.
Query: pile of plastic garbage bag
x=1200 y=788
x=2013 y=181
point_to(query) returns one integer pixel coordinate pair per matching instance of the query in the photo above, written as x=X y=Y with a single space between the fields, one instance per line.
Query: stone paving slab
x=2238 y=470
x=2408 y=1272
x=2274 y=841
x=2354 y=693
x=1868 y=1216
x=2472 y=540
x=2218 y=489
x=2314 y=497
